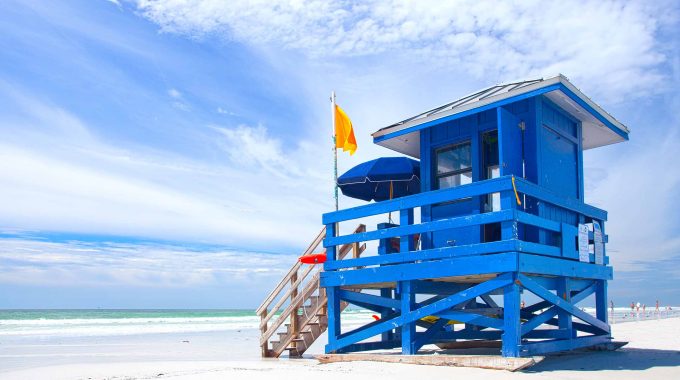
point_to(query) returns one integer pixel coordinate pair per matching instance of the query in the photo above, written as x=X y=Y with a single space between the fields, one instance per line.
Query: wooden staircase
x=303 y=318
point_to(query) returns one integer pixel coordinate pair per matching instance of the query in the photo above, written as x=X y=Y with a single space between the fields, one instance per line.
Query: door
x=453 y=166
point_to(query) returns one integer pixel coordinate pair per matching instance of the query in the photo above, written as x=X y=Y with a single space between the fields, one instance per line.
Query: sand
x=653 y=352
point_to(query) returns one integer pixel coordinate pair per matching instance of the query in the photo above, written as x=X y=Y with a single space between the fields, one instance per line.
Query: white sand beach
x=653 y=352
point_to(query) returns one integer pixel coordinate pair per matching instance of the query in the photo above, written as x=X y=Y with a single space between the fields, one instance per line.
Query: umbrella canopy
x=373 y=179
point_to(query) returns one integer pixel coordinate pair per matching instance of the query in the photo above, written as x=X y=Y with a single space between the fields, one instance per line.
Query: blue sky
x=176 y=154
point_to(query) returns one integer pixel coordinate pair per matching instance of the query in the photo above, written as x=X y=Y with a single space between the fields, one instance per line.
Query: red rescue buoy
x=314 y=258
x=376 y=317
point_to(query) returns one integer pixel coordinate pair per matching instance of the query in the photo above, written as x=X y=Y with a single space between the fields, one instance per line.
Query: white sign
x=599 y=243
x=583 y=244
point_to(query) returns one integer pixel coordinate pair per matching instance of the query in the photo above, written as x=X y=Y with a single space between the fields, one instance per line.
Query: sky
x=176 y=154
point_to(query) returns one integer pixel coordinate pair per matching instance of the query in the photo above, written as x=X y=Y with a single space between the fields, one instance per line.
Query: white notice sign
x=583 y=253
x=599 y=243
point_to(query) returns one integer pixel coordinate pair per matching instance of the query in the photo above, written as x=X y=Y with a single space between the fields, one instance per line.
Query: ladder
x=294 y=314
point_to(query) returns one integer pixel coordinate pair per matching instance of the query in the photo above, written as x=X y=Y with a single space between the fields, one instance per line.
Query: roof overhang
x=599 y=127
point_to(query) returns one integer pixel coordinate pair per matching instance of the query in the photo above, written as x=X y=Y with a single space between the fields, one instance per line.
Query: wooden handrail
x=421 y=199
x=283 y=299
x=311 y=286
x=315 y=243
x=305 y=322
x=266 y=314
x=343 y=252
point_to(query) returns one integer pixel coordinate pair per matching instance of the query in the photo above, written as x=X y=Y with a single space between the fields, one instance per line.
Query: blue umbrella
x=382 y=179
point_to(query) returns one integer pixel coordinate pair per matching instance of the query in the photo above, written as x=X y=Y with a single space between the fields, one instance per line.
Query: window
x=454 y=166
x=491 y=168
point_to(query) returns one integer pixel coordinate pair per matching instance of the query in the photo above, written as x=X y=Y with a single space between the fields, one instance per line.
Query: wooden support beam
x=365 y=298
x=472 y=318
x=400 y=320
x=533 y=287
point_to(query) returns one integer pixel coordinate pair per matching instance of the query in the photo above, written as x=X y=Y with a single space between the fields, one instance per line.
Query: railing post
x=263 y=331
x=333 y=303
x=294 y=320
x=509 y=202
x=405 y=219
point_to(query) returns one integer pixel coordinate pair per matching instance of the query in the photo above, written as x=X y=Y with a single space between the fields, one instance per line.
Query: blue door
x=453 y=166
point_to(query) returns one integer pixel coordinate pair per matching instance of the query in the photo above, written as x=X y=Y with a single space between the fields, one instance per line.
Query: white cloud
x=174 y=93
x=74 y=181
x=640 y=191
x=40 y=263
x=247 y=146
x=609 y=46
x=223 y=111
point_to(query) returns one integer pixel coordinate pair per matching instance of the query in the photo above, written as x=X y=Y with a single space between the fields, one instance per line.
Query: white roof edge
x=565 y=81
x=492 y=99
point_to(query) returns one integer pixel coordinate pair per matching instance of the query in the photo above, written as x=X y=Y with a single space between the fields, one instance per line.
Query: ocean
x=100 y=322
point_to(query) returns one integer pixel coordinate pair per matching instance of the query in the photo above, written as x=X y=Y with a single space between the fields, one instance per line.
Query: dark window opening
x=454 y=166
x=491 y=169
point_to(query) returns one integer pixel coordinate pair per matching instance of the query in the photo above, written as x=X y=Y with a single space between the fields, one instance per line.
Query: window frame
x=438 y=176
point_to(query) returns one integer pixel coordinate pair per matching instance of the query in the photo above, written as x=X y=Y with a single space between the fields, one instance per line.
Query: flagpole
x=335 y=152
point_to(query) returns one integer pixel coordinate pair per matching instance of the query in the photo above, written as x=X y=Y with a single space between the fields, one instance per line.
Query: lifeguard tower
x=505 y=248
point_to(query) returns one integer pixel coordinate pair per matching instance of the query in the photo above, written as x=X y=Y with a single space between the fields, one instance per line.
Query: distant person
x=638 y=307
x=611 y=306
x=657 y=306
x=632 y=308
x=521 y=305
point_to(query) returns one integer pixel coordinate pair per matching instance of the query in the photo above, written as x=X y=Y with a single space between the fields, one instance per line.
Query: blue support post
x=333 y=304
x=563 y=317
x=405 y=219
x=387 y=335
x=512 y=337
x=601 y=301
x=408 y=330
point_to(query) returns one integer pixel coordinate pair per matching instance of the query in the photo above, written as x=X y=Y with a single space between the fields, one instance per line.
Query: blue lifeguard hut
x=502 y=215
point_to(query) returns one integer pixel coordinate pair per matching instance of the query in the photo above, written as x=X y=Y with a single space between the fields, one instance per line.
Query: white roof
x=599 y=127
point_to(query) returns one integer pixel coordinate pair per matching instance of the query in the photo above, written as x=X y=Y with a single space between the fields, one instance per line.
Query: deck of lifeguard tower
x=500 y=208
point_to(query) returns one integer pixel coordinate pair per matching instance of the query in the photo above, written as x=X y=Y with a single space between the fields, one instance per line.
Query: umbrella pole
x=335 y=152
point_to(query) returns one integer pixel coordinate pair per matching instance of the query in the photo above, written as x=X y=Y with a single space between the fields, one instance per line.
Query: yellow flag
x=344 y=133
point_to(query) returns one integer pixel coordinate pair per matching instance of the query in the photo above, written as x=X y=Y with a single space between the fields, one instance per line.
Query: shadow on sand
x=622 y=359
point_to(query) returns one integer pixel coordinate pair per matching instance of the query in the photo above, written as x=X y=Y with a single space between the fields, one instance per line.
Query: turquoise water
x=100 y=322
x=119 y=314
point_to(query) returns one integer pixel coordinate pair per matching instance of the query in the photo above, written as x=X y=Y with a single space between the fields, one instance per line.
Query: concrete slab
x=476 y=361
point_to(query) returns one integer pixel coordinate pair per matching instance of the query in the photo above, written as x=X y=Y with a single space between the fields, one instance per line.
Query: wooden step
x=301 y=294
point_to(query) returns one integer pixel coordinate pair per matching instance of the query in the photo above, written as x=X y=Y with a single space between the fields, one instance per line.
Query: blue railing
x=510 y=216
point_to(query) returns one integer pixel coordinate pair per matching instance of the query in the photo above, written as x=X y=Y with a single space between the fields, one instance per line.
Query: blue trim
x=462 y=266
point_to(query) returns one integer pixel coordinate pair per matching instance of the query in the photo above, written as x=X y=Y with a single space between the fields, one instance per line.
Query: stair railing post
x=263 y=331
x=294 y=320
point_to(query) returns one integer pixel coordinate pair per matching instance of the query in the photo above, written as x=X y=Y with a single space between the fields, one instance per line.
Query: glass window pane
x=455 y=180
x=456 y=158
